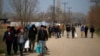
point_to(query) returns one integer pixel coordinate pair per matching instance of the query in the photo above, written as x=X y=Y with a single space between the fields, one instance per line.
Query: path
x=73 y=47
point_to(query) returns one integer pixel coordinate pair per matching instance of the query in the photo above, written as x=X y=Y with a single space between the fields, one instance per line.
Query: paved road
x=73 y=47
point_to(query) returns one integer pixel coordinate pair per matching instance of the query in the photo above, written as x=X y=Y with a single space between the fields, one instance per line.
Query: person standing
x=15 y=39
x=42 y=37
x=92 y=30
x=68 y=30
x=32 y=37
x=82 y=30
x=86 y=31
x=8 y=39
x=73 y=31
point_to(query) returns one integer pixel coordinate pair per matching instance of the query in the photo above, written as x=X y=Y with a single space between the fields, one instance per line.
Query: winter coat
x=32 y=33
x=42 y=35
x=68 y=29
x=92 y=29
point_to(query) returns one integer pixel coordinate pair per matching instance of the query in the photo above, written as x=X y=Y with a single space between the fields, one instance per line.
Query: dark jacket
x=68 y=28
x=8 y=36
x=57 y=29
x=86 y=29
x=92 y=29
x=73 y=29
x=50 y=29
x=32 y=33
x=42 y=35
x=15 y=36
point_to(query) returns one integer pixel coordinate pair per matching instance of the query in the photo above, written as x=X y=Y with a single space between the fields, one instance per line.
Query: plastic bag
x=76 y=35
x=38 y=48
x=26 y=44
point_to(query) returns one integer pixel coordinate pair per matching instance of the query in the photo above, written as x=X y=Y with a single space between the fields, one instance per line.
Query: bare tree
x=23 y=9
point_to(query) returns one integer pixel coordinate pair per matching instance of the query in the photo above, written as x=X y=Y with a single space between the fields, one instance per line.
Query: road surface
x=79 y=46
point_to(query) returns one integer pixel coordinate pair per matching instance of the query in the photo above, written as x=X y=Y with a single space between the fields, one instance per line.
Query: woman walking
x=21 y=41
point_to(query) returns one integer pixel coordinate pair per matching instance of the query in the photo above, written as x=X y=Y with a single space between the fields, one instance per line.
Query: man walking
x=82 y=30
x=68 y=30
x=42 y=37
x=15 y=39
x=8 y=39
x=92 y=30
x=57 y=31
x=32 y=37
x=73 y=31
x=86 y=31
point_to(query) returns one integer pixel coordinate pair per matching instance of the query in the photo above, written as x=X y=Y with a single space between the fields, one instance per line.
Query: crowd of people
x=15 y=38
x=84 y=31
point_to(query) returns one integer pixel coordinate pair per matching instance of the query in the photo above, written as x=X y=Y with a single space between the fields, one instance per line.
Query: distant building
x=30 y=23
x=4 y=21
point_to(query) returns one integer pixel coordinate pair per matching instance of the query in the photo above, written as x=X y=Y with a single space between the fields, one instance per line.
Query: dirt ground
x=79 y=46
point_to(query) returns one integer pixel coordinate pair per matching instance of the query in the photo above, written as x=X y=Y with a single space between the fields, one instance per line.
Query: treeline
x=94 y=17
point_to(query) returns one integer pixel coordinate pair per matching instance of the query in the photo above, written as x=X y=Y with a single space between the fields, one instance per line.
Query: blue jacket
x=82 y=28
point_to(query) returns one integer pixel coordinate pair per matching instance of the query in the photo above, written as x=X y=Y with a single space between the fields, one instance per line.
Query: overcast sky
x=82 y=6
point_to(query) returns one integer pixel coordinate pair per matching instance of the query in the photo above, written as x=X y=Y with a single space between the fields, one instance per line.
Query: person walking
x=21 y=41
x=8 y=39
x=57 y=31
x=26 y=32
x=45 y=28
x=82 y=30
x=42 y=37
x=92 y=30
x=15 y=40
x=50 y=31
x=86 y=31
x=68 y=30
x=32 y=37
x=73 y=31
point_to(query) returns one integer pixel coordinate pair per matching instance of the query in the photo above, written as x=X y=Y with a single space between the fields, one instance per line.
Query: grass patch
x=2 y=44
x=98 y=32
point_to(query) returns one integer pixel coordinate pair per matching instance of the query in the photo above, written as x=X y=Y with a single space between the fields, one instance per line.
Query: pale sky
x=82 y=6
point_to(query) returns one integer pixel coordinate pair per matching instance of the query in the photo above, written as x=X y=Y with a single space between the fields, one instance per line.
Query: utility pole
x=65 y=3
x=69 y=17
x=53 y=16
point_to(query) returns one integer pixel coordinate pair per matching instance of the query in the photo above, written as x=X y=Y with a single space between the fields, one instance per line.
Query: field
x=2 y=44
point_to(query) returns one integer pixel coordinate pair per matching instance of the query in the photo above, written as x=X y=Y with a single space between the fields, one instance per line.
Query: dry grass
x=2 y=44
x=98 y=32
